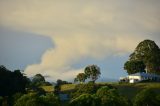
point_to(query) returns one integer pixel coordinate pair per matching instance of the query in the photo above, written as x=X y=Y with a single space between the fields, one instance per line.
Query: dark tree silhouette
x=11 y=82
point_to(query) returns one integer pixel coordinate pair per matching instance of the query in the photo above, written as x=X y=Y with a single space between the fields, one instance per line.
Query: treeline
x=91 y=94
x=29 y=93
x=12 y=82
x=18 y=90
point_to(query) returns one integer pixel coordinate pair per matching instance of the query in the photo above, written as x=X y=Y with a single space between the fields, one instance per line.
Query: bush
x=89 y=88
x=102 y=91
x=1 y=100
x=85 y=100
x=146 y=98
x=110 y=97
x=50 y=100
x=36 y=100
x=15 y=97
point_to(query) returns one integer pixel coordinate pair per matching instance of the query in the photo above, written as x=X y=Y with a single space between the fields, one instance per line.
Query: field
x=48 y=88
x=128 y=90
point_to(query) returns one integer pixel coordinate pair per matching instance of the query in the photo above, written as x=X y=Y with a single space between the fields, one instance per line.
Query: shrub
x=102 y=91
x=36 y=100
x=85 y=100
x=89 y=88
x=110 y=97
x=146 y=98
x=1 y=100
x=50 y=100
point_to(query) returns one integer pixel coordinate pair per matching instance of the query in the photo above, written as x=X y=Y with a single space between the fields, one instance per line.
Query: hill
x=128 y=90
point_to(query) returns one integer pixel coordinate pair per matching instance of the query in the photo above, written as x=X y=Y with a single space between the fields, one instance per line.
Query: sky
x=59 y=38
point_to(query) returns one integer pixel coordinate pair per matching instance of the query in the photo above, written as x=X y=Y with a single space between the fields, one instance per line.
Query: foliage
x=57 y=89
x=103 y=91
x=50 y=100
x=88 y=88
x=1 y=100
x=146 y=98
x=11 y=82
x=148 y=52
x=104 y=96
x=61 y=82
x=85 y=100
x=28 y=100
x=38 y=80
x=81 y=77
x=15 y=97
x=92 y=72
x=134 y=66
x=35 y=100
x=111 y=97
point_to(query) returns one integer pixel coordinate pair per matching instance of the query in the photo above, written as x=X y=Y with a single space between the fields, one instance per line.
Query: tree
x=92 y=72
x=38 y=80
x=81 y=77
x=75 y=80
x=12 y=82
x=146 y=98
x=61 y=82
x=148 y=52
x=134 y=66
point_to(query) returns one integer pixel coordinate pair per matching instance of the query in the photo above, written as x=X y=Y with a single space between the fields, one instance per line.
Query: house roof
x=143 y=74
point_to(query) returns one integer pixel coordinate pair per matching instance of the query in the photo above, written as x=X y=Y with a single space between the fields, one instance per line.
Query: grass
x=68 y=87
x=130 y=90
x=48 y=88
x=127 y=90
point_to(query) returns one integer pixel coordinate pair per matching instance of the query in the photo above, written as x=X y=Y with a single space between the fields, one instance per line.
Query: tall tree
x=92 y=72
x=134 y=66
x=148 y=52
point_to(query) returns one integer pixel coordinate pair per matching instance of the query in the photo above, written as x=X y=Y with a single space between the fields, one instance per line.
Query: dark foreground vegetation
x=30 y=92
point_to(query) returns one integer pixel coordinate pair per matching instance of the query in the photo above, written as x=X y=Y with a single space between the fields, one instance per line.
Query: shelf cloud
x=81 y=29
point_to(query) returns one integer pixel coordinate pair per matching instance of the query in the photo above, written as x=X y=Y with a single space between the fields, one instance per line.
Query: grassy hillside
x=48 y=88
x=68 y=87
x=128 y=90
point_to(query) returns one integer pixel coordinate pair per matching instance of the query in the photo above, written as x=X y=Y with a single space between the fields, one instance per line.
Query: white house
x=137 y=77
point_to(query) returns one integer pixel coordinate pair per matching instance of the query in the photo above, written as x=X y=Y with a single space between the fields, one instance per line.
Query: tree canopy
x=38 y=78
x=12 y=81
x=148 y=52
x=92 y=72
x=134 y=66
x=81 y=77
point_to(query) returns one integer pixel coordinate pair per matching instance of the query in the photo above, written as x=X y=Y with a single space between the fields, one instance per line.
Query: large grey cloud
x=81 y=29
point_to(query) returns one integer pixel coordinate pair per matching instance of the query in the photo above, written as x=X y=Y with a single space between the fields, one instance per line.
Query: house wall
x=134 y=77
